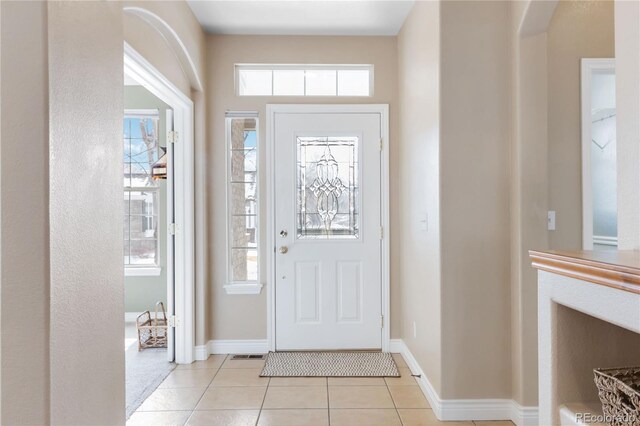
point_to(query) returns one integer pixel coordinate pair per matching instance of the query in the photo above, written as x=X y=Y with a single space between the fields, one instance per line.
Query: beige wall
x=627 y=35
x=585 y=343
x=245 y=316
x=546 y=159
x=147 y=25
x=529 y=209
x=24 y=243
x=419 y=164
x=546 y=164
x=458 y=286
x=61 y=245
x=474 y=200
x=578 y=29
x=529 y=186
x=454 y=67
x=143 y=37
x=85 y=107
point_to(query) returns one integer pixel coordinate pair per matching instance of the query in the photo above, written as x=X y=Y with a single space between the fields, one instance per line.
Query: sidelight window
x=242 y=198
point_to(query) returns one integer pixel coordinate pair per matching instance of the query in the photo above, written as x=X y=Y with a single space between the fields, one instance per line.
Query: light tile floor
x=220 y=391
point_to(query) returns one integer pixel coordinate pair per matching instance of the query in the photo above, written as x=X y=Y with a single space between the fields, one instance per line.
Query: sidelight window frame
x=233 y=285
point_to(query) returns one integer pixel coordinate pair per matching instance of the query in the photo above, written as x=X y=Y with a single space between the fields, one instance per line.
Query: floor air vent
x=247 y=357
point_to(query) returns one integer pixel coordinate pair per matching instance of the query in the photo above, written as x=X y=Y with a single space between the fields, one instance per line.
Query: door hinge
x=172 y=136
x=381 y=321
x=381 y=144
x=173 y=321
x=381 y=232
x=172 y=229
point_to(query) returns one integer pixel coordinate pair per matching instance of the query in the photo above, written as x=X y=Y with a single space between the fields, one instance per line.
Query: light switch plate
x=551 y=220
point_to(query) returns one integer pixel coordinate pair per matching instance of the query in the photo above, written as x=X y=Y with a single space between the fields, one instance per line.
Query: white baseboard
x=201 y=353
x=466 y=409
x=396 y=346
x=231 y=347
x=524 y=416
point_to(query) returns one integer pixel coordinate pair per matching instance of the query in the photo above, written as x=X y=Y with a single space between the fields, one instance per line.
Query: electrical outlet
x=415 y=330
x=551 y=220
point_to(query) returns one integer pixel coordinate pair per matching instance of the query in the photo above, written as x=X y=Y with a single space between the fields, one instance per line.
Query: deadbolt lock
x=283 y=233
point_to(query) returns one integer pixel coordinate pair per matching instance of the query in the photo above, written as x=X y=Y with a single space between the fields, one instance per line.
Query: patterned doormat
x=330 y=364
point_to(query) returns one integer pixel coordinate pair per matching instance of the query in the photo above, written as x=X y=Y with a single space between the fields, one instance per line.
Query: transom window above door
x=304 y=80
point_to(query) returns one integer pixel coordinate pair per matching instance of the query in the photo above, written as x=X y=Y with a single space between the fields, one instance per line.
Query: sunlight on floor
x=129 y=342
x=130 y=335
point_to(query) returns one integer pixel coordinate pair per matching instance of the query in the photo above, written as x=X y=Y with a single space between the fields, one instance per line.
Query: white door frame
x=146 y=74
x=587 y=66
x=272 y=111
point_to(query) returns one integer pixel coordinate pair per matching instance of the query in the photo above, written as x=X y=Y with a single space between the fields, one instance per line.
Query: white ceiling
x=302 y=17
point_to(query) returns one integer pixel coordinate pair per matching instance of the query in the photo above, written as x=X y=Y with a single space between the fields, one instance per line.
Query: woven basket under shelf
x=619 y=392
x=152 y=332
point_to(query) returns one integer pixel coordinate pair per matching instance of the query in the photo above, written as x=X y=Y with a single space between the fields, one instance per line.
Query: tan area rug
x=330 y=364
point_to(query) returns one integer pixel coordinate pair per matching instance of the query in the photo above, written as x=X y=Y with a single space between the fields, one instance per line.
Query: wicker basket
x=619 y=392
x=152 y=332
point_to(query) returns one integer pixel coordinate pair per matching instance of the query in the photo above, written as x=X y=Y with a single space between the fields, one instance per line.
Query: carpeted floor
x=145 y=370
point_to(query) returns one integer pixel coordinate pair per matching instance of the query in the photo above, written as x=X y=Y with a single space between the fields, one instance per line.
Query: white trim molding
x=605 y=241
x=183 y=305
x=244 y=288
x=465 y=409
x=153 y=271
x=173 y=40
x=216 y=347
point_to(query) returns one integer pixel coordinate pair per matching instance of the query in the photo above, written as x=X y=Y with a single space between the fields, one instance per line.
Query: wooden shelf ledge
x=617 y=269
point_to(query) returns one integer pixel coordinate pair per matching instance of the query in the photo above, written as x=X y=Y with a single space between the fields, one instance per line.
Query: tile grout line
x=263 y=399
x=226 y=357
x=328 y=403
x=206 y=389
x=394 y=403
x=391 y=395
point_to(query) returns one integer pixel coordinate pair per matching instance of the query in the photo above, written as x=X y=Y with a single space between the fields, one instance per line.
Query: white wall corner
x=201 y=353
x=466 y=409
x=396 y=346
x=524 y=416
x=429 y=392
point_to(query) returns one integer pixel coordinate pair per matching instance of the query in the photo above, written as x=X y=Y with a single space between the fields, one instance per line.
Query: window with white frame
x=304 y=80
x=141 y=192
x=242 y=198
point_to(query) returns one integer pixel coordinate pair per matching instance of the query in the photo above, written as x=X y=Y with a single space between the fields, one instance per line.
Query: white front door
x=328 y=225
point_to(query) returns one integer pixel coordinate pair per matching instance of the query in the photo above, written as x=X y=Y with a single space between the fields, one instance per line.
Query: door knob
x=283 y=250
